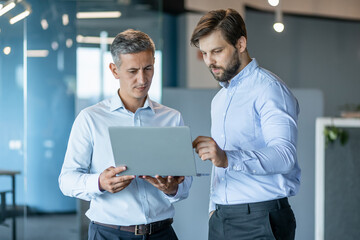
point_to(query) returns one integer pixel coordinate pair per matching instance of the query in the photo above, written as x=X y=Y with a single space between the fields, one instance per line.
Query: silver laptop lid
x=165 y=151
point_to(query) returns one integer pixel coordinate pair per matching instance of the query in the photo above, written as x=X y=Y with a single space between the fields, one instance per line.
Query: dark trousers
x=98 y=232
x=268 y=220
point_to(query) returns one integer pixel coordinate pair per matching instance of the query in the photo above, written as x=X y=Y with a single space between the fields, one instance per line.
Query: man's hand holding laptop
x=110 y=181
x=169 y=184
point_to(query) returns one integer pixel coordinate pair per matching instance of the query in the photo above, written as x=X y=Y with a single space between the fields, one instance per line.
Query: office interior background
x=54 y=62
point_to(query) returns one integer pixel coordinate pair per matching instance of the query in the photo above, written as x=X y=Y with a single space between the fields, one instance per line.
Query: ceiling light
x=44 y=24
x=92 y=40
x=279 y=27
x=1 y=6
x=7 y=8
x=20 y=16
x=69 y=42
x=54 y=45
x=65 y=19
x=37 y=53
x=7 y=50
x=84 y=15
x=273 y=3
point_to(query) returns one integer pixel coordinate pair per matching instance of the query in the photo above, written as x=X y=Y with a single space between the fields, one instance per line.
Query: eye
x=218 y=51
x=132 y=71
x=148 y=68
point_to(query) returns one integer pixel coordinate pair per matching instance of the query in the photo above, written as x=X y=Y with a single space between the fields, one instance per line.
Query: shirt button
x=254 y=171
x=222 y=179
x=224 y=114
x=235 y=168
x=222 y=135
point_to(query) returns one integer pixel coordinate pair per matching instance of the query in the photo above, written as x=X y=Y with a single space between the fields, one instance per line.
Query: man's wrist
x=172 y=193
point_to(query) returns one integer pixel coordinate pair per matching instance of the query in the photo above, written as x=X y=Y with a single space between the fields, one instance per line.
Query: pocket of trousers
x=283 y=223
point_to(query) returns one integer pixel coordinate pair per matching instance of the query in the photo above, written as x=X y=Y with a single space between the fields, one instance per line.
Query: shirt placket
x=223 y=172
x=136 y=119
x=229 y=97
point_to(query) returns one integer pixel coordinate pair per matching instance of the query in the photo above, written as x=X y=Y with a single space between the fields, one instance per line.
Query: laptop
x=164 y=151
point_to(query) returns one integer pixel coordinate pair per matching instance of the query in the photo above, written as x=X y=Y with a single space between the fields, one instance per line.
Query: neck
x=245 y=60
x=133 y=105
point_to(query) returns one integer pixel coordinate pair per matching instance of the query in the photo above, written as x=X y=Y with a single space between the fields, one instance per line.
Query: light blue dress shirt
x=89 y=153
x=254 y=120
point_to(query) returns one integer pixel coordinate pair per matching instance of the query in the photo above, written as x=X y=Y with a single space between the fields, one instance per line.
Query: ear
x=114 y=70
x=241 y=44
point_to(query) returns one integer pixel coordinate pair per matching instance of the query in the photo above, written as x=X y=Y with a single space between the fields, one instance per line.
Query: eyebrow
x=133 y=68
x=214 y=49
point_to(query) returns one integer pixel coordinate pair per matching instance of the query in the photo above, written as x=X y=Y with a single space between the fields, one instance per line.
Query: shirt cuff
x=92 y=183
x=178 y=194
x=211 y=206
x=234 y=163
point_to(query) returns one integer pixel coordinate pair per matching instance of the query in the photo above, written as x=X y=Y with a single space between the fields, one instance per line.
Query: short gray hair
x=130 y=41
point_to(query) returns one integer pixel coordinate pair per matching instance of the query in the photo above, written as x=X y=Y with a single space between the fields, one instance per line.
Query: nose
x=209 y=59
x=142 y=77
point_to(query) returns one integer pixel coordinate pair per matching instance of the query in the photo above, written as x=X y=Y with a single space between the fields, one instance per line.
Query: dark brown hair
x=228 y=21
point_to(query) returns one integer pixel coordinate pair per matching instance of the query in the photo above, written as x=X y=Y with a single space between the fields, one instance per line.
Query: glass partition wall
x=54 y=63
x=12 y=128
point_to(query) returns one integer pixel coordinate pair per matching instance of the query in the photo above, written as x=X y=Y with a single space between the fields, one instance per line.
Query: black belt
x=258 y=206
x=141 y=229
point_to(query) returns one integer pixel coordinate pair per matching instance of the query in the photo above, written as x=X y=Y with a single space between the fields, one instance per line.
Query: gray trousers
x=268 y=220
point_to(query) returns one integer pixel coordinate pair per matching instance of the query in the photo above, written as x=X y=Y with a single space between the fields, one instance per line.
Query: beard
x=231 y=69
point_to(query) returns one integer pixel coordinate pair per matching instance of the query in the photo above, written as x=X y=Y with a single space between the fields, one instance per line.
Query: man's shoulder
x=96 y=108
x=160 y=108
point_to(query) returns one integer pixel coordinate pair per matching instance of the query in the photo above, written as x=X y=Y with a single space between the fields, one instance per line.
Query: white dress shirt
x=254 y=120
x=89 y=153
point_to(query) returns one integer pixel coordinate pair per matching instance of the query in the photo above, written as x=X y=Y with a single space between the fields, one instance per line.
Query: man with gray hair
x=122 y=207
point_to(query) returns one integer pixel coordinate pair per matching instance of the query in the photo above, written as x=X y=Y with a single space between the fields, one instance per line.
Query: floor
x=43 y=227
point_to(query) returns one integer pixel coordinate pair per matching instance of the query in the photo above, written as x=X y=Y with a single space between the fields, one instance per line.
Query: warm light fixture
x=273 y=3
x=20 y=16
x=65 y=19
x=37 y=53
x=92 y=40
x=44 y=24
x=110 y=14
x=7 y=8
x=278 y=25
x=7 y=50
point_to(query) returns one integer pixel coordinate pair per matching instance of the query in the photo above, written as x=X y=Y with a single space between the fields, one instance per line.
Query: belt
x=141 y=229
x=257 y=206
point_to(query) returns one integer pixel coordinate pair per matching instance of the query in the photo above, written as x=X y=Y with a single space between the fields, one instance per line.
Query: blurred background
x=54 y=57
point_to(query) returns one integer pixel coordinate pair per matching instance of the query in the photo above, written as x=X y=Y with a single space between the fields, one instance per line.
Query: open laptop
x=164 y=151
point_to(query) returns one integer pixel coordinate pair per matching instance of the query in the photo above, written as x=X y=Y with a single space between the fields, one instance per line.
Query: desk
x=13 y=186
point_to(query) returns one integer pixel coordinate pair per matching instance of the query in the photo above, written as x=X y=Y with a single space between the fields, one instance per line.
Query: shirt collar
x=248 y=69
x=116 y=103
